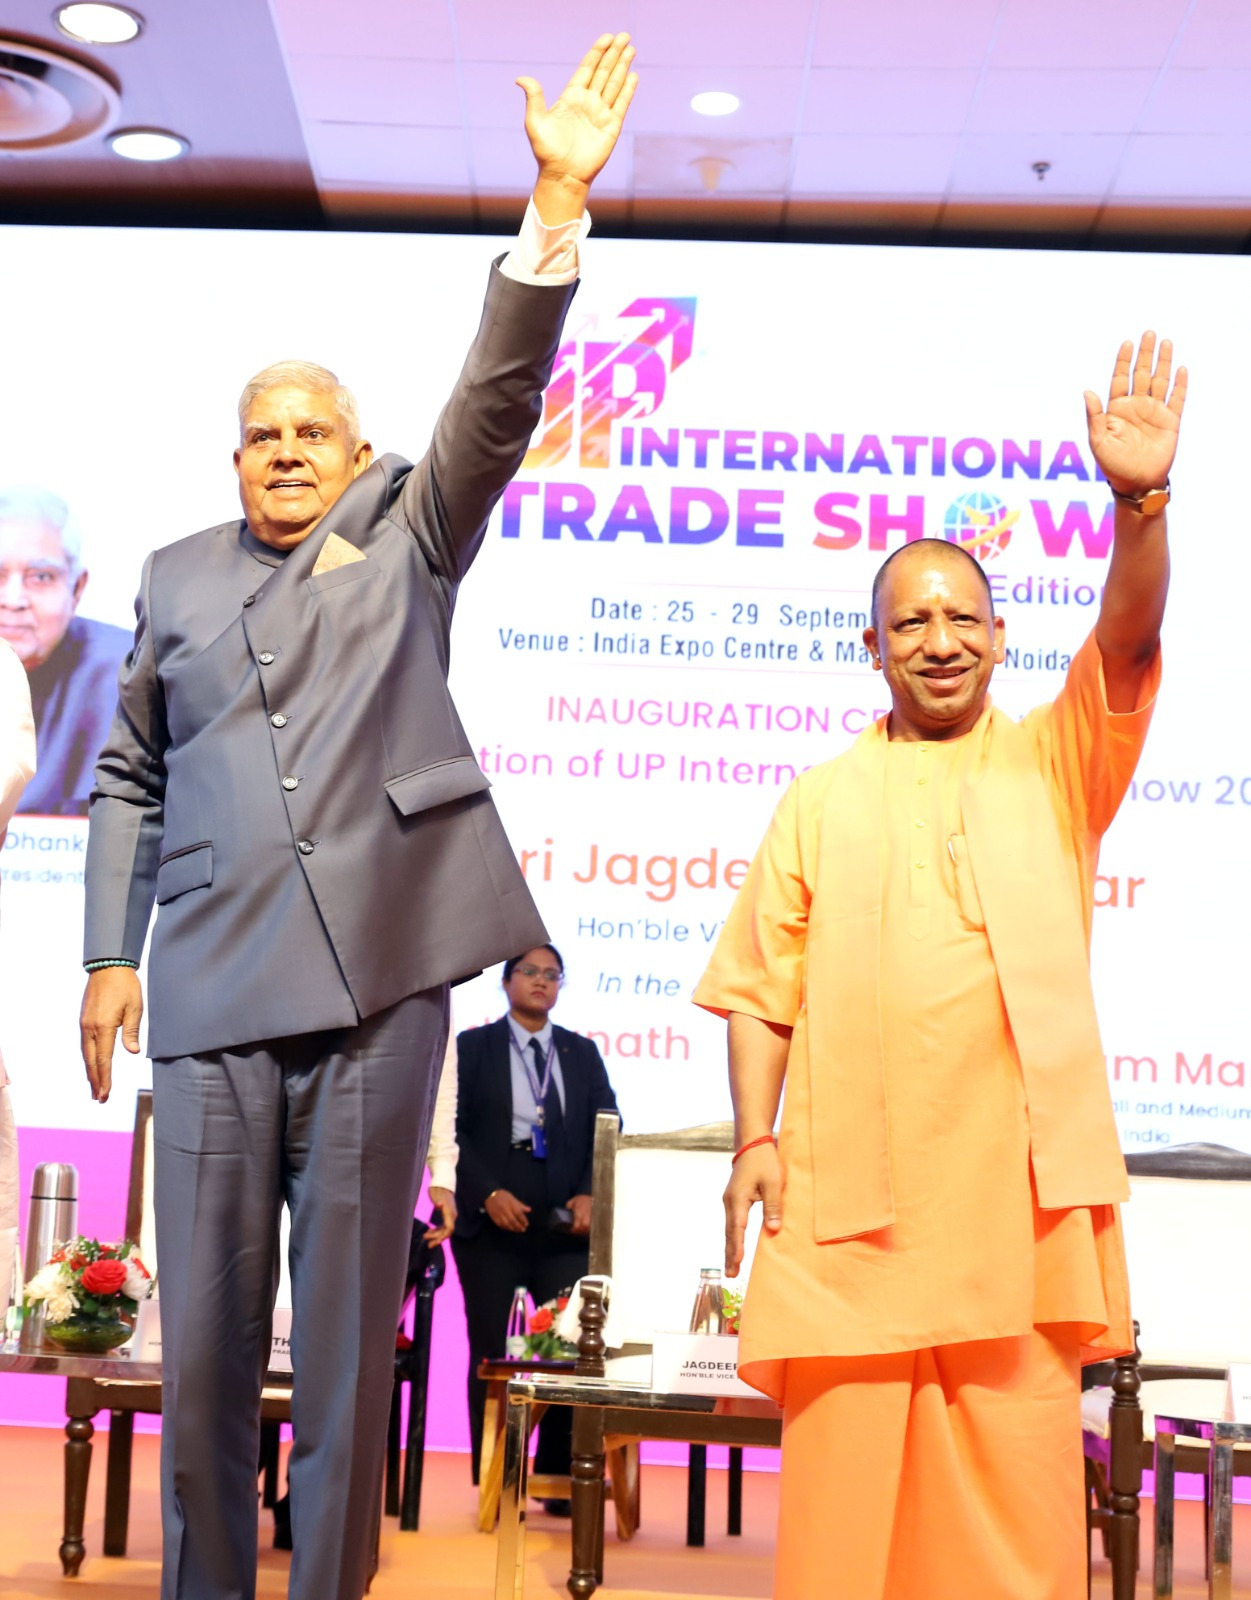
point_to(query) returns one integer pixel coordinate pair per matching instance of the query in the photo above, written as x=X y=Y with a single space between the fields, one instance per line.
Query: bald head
x=922 y=550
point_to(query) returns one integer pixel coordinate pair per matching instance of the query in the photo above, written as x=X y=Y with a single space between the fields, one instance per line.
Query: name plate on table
x=280 y=1350
x=145 y=1343
x=1238 y=1392
x=698 y=1363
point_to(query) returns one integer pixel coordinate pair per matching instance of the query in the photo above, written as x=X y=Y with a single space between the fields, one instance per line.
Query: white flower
x=138 y=1284
x=60 y=1302
x=45 y=1281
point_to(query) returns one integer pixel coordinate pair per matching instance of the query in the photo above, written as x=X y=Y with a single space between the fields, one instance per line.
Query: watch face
x=1154 y=502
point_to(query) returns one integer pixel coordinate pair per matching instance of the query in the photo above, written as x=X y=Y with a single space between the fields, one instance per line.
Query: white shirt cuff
x=443 y=1171
x=546 y=256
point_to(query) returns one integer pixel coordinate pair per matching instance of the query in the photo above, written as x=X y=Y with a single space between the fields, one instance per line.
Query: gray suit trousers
x=336 y=1124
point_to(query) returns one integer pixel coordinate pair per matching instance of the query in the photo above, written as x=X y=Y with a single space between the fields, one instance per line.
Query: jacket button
x=279 y=719
x=290 y=783
x=305 y=847
x=267 y=658
x=250 y=601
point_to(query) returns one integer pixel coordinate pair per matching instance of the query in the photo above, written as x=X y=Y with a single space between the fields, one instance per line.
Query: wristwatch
x=1148 y=504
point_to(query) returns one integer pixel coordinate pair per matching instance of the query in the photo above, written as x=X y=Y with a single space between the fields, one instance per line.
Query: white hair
x=41 y=505
x=304 y=375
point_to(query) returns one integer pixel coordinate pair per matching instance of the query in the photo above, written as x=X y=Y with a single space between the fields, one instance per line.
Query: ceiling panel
x=903 y=33
x=544 y=30
x=1217 y=34
x=1201 y=100
x=769 y=95
x=1060 y=100
x=1181 y=166
x=1110 y=33
x=888 y=100
x=419 y=94
x=709 y=35
x=866 y=164
x=1000 y=165
x=420 y=159
x=420 y=29
x=711 y=165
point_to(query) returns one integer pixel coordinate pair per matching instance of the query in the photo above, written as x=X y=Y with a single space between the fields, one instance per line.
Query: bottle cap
x=54 y=1180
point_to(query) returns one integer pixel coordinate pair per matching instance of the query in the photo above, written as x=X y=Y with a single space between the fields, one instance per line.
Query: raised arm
x=1134 y=441
x=482 y=434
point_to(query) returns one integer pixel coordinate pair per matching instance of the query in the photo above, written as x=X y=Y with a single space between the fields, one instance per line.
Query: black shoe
x=557 y=1508
x=282 y=1523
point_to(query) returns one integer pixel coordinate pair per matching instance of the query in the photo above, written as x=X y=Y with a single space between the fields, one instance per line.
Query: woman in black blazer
x=528 y=1096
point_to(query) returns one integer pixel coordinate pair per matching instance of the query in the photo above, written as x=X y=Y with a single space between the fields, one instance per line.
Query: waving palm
x=575 y=135
x=1135 y=439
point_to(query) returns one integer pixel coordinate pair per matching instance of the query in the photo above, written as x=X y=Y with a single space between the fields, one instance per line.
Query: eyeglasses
x=548 y=974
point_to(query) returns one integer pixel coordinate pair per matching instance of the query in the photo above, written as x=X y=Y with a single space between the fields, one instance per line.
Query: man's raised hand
x=113 y=999
x=574 y=136
x=1135 y=439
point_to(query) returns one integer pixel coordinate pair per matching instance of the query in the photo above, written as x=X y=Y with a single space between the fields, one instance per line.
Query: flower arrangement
x=89 y=1291
x=731 y=1308
x=543 y=1343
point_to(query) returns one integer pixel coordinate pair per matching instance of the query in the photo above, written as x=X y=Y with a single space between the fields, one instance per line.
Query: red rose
x=541 y=1321
x=561 y=1302
x=104 y=1277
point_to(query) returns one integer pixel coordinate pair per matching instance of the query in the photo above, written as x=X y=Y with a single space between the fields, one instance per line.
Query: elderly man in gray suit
x=288 y=779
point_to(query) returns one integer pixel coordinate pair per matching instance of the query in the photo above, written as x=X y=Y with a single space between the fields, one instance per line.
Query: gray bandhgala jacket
x=286 y=775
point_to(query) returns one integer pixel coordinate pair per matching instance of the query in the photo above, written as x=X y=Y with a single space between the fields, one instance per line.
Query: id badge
x=538 y=1142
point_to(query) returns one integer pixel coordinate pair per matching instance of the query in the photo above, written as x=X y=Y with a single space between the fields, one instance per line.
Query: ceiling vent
x=48 y=100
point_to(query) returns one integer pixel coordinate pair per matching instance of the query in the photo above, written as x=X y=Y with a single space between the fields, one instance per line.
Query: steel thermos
x=51 y=1220
x=708 y=1315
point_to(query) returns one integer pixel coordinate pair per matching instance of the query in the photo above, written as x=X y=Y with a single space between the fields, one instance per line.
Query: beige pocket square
x=336 y=552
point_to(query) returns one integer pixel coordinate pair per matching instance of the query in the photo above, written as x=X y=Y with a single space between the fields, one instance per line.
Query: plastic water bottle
x=708 y=1315
x=518 y=1321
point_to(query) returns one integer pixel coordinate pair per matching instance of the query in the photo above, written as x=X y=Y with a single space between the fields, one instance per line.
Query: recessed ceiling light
x=147 y=144
x=99 y=24
x=715 y=103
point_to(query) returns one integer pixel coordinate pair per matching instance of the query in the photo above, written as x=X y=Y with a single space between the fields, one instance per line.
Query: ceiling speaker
x=48 y=100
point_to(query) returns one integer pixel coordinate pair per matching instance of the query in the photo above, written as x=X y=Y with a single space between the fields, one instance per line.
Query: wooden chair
x=1190 y=1210
x=652 y=1187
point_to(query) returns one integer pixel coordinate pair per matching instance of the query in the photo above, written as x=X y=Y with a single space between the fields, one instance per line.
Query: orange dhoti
x=952 y=1473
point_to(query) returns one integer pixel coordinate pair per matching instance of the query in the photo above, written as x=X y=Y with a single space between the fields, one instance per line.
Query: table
x=1222 y=1438
x=81 y=1405
x=497 y=1375
x=83 y=1399
x=628 y=1411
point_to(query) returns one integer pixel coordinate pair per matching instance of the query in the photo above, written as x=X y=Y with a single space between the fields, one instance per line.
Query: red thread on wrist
x=765 y=1138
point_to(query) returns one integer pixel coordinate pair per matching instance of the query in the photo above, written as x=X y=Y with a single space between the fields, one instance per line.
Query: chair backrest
x=657 y=1220
x=1185 y=1227
x=140 y=1212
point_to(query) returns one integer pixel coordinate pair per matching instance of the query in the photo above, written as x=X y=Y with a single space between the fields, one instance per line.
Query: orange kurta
x=968 y=1253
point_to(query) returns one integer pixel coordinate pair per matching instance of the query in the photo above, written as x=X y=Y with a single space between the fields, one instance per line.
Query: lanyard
x=537 y=1089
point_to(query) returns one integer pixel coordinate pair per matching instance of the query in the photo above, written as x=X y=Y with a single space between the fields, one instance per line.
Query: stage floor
x=448 y=1559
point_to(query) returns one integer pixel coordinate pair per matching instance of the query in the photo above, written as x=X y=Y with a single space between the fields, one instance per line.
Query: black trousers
x=492 y=1265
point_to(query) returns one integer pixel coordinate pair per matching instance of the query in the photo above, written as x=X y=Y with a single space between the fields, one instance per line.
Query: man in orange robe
x=910 y=955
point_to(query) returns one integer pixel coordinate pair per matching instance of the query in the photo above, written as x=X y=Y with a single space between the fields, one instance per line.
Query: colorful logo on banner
x=599 y=380
x=980 y=523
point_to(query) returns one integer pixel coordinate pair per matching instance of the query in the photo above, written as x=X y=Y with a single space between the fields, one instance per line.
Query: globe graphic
x=980 y=523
